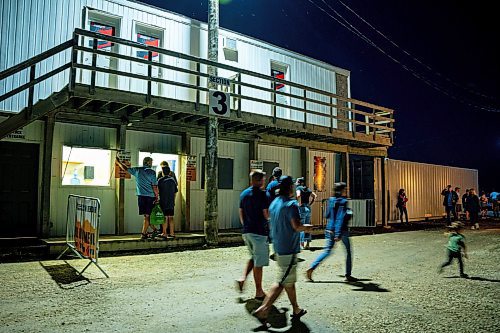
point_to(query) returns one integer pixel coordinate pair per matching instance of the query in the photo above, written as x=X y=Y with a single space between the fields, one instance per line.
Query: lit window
x=172 y=160
x=86 y=166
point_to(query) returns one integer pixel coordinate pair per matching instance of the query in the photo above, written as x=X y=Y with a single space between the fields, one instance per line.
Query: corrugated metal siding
x=156 y=143
x=29 y=18
x=423 y=184
x=84 y=136
x=228 y=200
x=288 y=158
x=330 y=180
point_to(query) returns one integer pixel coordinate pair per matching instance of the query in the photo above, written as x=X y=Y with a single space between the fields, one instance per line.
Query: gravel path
x=192 y=291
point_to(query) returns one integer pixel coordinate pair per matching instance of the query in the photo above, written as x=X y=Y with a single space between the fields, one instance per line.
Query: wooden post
x=121 y=139
x=150 y=74
x=185 y=184
x=305 y=109
x=94 y=65
x=384 y=208
x=347 y=175
x=304 y=163
x=50 y=122
x=253 y=151
x=211 y=224
x=198 y=80
x=238 y=112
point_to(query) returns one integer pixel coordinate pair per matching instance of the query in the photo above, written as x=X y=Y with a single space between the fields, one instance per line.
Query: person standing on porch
x=254 y=216
x=305 y=197
x=146 y=190
x=338 y=214
x=167 y=186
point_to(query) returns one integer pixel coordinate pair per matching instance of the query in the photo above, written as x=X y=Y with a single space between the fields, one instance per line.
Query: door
x=18 y=189
x=362 y=179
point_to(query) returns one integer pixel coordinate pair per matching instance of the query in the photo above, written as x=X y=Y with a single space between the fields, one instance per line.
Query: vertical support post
x=374 y=123
x=47 y=174
x=94 y=65
x=348 y=173
x=239 y=96
x=331 y=114
x=273 y=106
x=305 y=109
x=185 y=185
x=150 y=75
x=74 y=60
x=384 y=204
x=253 y=150
x=304 y=163
x=198 y=80
x=121 y=140
x=211 y=224
x=391 y=126
x=31 y=92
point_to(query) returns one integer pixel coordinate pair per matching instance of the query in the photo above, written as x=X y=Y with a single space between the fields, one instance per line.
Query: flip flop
x=296 y=316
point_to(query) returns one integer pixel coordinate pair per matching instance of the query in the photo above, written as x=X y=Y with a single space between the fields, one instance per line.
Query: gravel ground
x=193 y=291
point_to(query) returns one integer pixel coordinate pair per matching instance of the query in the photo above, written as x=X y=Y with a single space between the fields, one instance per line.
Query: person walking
x=273 y=185
x=254 y=216
x=402 y=200
x=167 y=186
x=305 y=197
x=474 y=207
x=146 y=190
x=449 y=201
x=337 y=229
x=455 y=247
x=285 y=228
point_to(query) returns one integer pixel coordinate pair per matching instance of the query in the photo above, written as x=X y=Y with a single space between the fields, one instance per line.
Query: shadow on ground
x=359 y=285
x=475 y=278
x=65 y=275
x=277 y=319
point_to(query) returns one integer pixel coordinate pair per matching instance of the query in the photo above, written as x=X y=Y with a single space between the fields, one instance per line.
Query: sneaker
x=477 y=226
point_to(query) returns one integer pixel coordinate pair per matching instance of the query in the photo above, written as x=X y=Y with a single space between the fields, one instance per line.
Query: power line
x=358 y=33
x=414 y=57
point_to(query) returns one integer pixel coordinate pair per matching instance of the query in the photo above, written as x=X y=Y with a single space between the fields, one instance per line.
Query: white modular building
x=81 y=80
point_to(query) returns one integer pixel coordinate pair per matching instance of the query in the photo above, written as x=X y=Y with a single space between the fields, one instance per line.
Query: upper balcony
x=128 y=84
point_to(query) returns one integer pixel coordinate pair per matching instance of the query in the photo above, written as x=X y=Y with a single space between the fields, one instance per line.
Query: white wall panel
x=288 y=158
x=81 y=136
x=228 y=200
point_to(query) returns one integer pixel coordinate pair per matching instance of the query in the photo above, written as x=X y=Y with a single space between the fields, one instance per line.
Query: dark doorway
x=362 y=181
x=18 y=189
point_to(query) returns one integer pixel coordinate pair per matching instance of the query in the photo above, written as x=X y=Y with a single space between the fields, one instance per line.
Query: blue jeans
x=327 y=250
x=305 y=218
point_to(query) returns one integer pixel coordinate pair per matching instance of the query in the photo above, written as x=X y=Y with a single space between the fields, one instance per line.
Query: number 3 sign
x=219 y=103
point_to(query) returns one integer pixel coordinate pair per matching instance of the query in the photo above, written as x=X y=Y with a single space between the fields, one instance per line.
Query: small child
x=456 y=242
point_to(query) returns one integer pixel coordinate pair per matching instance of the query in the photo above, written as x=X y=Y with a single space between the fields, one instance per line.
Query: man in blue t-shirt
x=285 y=229
x=273 y=185
x=254 y=217
x=146 y=189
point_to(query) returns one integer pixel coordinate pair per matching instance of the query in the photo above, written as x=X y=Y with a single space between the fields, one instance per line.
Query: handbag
x=157 y=217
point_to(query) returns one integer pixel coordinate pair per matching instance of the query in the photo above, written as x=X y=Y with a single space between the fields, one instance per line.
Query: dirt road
x=193 y=291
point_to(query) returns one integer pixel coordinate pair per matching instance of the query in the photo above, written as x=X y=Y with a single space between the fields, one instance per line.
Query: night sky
x=456 y=39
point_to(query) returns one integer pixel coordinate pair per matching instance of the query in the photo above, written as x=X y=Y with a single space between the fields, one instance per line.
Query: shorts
x=258 y=246
x=287 y=269
x=146 y=204
x=167 y=211
x=458 y=208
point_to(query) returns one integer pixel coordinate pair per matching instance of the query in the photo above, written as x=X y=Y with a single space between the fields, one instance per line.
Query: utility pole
x=211 y=223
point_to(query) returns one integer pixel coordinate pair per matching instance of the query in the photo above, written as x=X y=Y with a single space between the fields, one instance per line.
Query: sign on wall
x=124 y=157
x=219 y=103
x=319 y=173
x=191 y=168
x=256 y=165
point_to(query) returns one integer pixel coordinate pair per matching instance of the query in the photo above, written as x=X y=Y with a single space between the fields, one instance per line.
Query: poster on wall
x=319 y=174
x=191 y=168
x=256 y=165
x=105 y=30
x=124 y=157
x=150 y=41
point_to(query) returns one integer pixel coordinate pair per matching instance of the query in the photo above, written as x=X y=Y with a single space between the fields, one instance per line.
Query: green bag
x=157 y=217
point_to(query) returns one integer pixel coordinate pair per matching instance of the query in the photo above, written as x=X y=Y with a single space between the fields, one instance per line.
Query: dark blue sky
x=455 y=38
